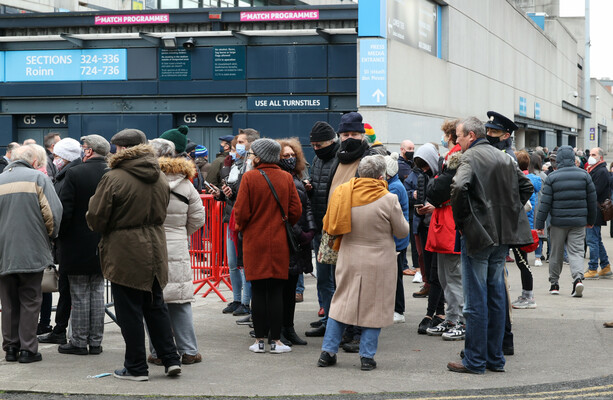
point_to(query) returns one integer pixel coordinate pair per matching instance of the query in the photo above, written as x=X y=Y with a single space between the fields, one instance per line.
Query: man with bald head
x=597 y=169
x=405 y=161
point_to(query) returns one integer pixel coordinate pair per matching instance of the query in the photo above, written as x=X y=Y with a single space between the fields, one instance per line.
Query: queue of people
x=454 y=211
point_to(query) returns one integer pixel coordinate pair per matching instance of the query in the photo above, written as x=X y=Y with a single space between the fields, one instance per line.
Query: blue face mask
x=233 y=155
x=443 y=142
x=221 y=149
x=240 y=150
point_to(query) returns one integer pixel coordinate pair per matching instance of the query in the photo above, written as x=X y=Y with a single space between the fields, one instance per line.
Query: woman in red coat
x=265 y=247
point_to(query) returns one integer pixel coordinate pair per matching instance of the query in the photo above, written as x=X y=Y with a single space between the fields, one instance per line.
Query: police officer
x=499 y=130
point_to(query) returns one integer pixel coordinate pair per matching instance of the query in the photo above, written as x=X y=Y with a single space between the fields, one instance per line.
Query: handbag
x=50 y=282
x=529 y=248
x=606 y=208
x=294 y=245
x=326 y=253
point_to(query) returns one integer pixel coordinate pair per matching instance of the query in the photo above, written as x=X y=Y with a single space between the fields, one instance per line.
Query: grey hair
x=26 y=153
x=372 y=167
x=41 y=154
x=252 y=134
x=473 y=124
x=600 y=152
x=163 y=147
x=12 y=146
x=49 y=139
x=97 y=143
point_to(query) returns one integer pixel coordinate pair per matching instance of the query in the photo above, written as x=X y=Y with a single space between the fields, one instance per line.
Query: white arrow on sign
x=378 y=94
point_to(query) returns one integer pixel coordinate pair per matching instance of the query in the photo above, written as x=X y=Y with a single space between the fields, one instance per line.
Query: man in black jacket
x=597 y=168
x=6 y=159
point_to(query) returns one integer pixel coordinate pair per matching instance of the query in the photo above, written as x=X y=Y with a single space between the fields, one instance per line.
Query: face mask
x=444 y=142
x=59 y=163
x=233 y=155
x=240 y=150
x=493 y=140
x=592 y=161
x=288 y=164
x=351 y=144
x=408 y=155
x=326 y=153
x=221 y=149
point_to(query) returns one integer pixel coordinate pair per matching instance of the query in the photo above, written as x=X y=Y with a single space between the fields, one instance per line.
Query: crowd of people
x=448 y=215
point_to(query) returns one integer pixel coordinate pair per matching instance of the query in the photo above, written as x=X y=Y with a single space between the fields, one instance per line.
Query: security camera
x=575 y=94
x=189 y=44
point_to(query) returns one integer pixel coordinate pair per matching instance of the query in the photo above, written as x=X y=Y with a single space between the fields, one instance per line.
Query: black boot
x=291 y=335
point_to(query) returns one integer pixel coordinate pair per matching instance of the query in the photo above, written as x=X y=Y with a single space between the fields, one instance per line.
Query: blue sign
x=537 y=110
x=523 y=107
x=1 y=66
x=372 y=18
x=373 y=72
x=66 y=65
x=287 y=103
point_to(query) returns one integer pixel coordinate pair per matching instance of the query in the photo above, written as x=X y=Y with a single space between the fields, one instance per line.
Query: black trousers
x=289 y=300
x=436 y=298
x=131 y=306
x=64 y=304
x=267 y=307
x=400 y=261
x=521 y=259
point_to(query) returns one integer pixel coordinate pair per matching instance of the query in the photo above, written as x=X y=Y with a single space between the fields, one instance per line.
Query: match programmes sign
x=66 y=65
x=132 y=19
x=279 y=15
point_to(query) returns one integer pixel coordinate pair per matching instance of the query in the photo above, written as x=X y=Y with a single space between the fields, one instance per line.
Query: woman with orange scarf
x=368 y=217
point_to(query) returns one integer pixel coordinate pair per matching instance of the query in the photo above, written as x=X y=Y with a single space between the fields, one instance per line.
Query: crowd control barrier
x=208 y=250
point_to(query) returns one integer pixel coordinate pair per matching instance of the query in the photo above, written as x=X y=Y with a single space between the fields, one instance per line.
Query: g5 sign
x=43 y=120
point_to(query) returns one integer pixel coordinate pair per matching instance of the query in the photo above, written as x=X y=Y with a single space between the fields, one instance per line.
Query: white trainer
x=538 y=263
x=417 y=277
x=276 y=348
x=398 y=318
x=258 y=347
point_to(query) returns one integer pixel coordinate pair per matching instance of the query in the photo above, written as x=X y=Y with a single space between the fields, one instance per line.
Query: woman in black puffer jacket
x=293 y=161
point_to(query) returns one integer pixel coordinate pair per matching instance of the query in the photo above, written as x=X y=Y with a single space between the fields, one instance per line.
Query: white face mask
x=592 y=161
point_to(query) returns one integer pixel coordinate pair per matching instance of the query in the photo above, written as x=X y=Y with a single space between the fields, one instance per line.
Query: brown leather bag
x=606 y=208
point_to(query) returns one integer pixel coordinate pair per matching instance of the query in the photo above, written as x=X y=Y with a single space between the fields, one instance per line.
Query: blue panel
x=286 y=62
x=373 y=72
x=239 y=121
x=288 y=124
x=47 y=89
x=202 y=87
x=7 y=127
x=109 y=124
x=372 y=18
x=74 y=127
x=342 y=86
x=342 y=61
x=120 y=88
x=165 y=122
x=2 y=77
x=202 y=63
x=286 y=86
x=538 y=18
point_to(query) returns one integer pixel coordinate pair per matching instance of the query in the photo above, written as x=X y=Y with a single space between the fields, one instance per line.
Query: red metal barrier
x=208 y=250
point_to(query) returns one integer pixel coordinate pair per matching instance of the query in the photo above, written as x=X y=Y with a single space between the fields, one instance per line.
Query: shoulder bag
x=50 y=282
x=326 y=253
x=294 y=246
x=606 y=207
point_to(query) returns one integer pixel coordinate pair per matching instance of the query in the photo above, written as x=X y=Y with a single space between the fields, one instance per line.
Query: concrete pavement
x=559 y=341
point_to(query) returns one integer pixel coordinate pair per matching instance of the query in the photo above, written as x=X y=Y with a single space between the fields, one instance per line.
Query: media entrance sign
x=373 y=72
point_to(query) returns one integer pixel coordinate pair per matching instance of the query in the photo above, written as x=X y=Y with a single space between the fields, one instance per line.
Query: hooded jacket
x=568 y=195
x=600 y=178
x=129 y=209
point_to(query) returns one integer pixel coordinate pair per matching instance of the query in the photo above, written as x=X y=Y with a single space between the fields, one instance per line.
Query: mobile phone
x=418 y=205
x=224 y=181
x=209 y=186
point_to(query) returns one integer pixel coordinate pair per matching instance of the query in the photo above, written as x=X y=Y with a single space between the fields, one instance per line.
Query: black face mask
x=408 y=155
x=497 y=143
x=288 y=164
x=351 y=144
x=326 y=153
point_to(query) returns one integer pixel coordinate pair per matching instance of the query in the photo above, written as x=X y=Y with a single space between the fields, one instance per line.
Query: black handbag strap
x=274 y=193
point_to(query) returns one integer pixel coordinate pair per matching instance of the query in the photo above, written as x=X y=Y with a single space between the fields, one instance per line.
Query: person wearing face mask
x=224 y=149
x=293 y=161
x=405 y=161
x=499 y=130
x=597 y=168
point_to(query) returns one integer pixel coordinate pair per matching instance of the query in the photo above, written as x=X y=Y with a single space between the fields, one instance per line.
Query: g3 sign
x=43 y=120
x=206 y=119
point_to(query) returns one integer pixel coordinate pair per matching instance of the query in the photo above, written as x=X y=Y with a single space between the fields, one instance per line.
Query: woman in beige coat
x=368 y=217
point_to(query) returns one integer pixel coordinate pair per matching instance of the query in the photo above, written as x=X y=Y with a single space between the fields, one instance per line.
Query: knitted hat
x=191 y=146
x=321 y=132
x=391 y=163
x=129 y=137
x=201 y=151
x=351 y=122
x=67 y=148
x=370 y=133
x=268 y=150
x=97 y=143
x=178 y=136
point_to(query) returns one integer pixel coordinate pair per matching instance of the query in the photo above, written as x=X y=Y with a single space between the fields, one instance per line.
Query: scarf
x=355 y=193
x=591 y=167
x=351 y=150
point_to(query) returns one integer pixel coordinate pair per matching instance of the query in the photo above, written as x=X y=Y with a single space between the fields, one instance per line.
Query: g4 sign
x=206 y=119
x=44 y=120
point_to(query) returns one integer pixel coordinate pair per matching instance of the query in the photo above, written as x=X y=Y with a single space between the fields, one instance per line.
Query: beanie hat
x=370 y=133
x=201 y=151
x=67 y=148
x=129 y=137
x=268 y=150
x=178 y=136
x=351 y=122
x=191 y=146
x=97 y=143
x=391 y=163
x=321 y=132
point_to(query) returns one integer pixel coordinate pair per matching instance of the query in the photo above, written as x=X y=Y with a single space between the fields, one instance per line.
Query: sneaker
x=124 y=374
x=441 y=328
x=231 y=307
x=554 y=289
x=591 y=274
x=321 y=312
x=577 y=288
x=243 y=309
x=417 y=277
x=258 y=347
x=326 y=360
x=538 y=262
x=426 y=323
x=605 y=272
x=189 y=359
x=244 y=321
x=423 y=292
x=277 y=348
x=457 y=333
x=172 y=370
x=399 y=318
x=367 y=364
x=524 y=303
x=509 y=259
x=352 y=346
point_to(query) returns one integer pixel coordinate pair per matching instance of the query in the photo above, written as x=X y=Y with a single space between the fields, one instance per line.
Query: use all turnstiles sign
x=373 y=72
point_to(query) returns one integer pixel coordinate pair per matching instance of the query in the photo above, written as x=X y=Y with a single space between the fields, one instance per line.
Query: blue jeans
x=334 y=333
x=597 y=250
x=237 y=276
x=300 y=284
x=484 y=307
x=326 y=284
